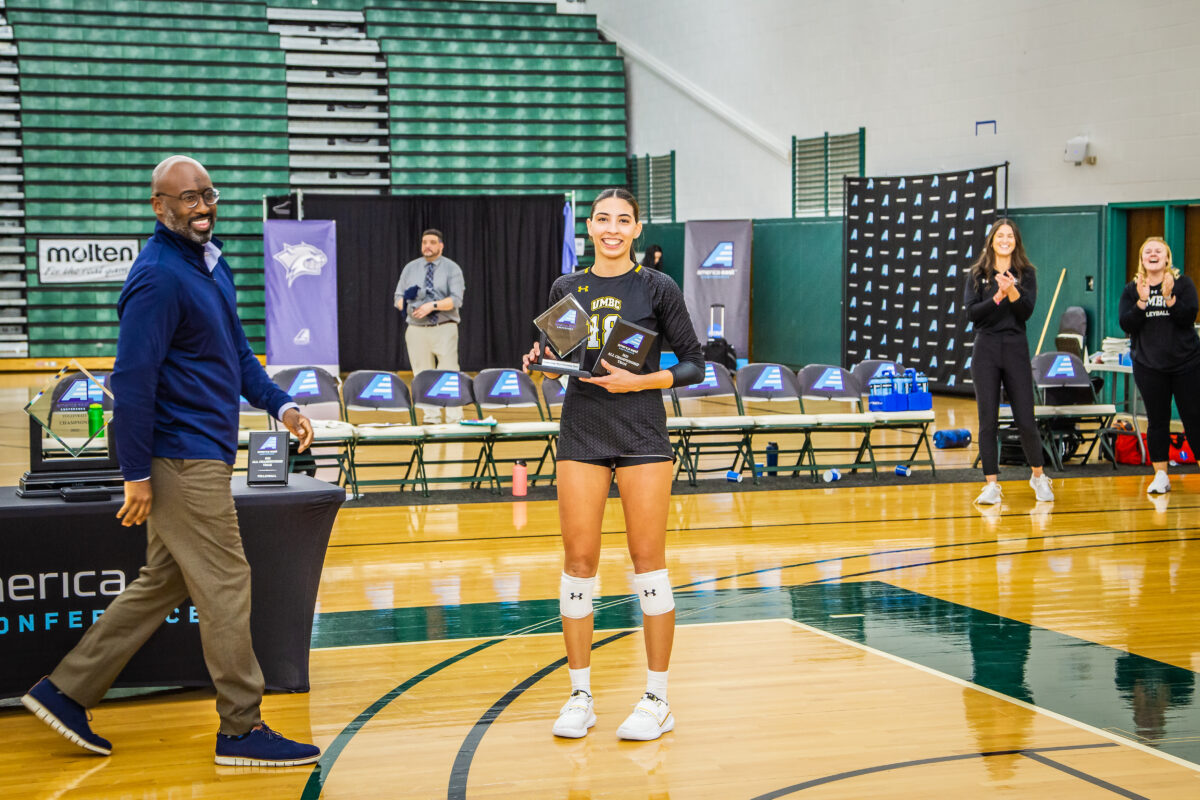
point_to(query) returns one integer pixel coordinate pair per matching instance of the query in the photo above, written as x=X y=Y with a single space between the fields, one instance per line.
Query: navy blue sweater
x=182 y=359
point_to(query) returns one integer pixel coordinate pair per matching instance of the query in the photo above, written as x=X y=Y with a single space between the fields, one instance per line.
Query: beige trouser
x=427 y=344
x=193 y=549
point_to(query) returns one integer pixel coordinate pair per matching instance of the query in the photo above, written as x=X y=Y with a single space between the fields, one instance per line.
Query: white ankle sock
x=656 y=683
x=581 y=679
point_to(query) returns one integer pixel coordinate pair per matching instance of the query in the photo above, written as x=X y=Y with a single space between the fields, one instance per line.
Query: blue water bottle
x=772 y=457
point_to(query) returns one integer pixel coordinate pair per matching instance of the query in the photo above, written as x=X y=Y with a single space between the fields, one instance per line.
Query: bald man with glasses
x=182 y=360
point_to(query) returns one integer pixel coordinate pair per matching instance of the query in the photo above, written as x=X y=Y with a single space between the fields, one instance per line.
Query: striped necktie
x=429 y=267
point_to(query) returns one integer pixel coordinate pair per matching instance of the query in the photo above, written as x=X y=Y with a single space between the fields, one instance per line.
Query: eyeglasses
x=192 y=199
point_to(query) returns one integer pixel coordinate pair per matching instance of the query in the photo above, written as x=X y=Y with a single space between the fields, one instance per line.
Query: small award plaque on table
x=565 y=325
x=267 y=459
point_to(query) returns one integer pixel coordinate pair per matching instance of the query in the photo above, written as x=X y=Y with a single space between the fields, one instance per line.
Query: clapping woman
x=1000 y=294
x=1158 y=311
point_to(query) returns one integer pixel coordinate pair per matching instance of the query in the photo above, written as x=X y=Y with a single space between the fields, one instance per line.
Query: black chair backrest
x=308 y=385
x=443 y=388
x=510 y=388
x=827 y=382
x=375 y=390
x=717 y=383
x=767 y=382
x=553 y=393
x=1072 y=332
x=1051 y=370
x=866 y=371
x=1073 y=320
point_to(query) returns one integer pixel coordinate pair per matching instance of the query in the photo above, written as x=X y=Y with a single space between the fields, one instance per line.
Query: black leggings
x=1157 y=389
x=1003 y=359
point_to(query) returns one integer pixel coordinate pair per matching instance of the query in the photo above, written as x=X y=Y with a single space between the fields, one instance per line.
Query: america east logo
x=632 y=343
x=568 y=321
x=300 y=259
x=719 y=263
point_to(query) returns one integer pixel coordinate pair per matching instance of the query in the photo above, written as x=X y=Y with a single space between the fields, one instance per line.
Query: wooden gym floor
x=870 y=642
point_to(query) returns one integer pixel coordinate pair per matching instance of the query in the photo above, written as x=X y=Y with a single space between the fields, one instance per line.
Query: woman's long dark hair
x=985 y=266
x=648 y=259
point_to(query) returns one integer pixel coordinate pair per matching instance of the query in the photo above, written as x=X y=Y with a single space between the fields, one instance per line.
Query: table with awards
x=64 y=562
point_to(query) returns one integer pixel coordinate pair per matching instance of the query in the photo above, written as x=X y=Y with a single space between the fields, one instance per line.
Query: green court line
x=1089 y=682
x=320 y=772
x=1095 y=684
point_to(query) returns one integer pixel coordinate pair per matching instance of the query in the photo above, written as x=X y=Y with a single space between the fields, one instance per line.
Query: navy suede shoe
x=65 y=716
x=263 y=747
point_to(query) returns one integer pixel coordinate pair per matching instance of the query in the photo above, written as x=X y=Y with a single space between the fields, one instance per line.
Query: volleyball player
x=617 y=424
x=1158 y=311
x=999 y=297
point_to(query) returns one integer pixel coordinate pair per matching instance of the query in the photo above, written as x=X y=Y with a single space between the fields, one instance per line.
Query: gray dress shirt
x=447 y=282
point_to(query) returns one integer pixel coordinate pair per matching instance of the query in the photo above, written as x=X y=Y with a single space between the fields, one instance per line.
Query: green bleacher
x=108 y=89
x=483 y=98
x=510 y=97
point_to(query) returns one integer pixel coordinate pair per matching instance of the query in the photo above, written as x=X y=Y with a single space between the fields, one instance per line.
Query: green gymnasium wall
x=1070 y=239
x=796 y=288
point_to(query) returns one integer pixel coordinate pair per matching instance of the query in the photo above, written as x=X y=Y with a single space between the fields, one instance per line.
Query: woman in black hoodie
x=1158 y=311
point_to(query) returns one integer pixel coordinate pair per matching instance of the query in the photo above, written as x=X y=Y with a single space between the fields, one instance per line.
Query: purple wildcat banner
x=300 y=260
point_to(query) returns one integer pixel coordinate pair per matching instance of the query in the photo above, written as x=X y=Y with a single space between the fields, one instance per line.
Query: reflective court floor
x=841 y=642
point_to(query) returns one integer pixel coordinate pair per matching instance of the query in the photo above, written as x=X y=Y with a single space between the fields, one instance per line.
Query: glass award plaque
x=565 y=326
x=627 y=346
x=69 y=442
x=267 y=463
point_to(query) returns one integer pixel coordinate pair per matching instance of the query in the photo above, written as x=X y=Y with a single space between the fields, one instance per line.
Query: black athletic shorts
x=616 y=462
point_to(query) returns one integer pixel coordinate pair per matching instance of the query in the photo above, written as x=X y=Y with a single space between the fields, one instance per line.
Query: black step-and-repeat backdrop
x=909 y=243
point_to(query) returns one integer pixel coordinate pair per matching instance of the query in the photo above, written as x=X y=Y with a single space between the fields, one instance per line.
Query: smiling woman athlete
x=617 y=424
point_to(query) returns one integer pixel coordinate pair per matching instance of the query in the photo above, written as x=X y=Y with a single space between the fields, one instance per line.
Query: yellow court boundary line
x=991 y=692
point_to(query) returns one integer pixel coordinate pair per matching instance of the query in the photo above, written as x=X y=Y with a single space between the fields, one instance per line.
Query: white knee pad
x=654 y=592
x=575 y=596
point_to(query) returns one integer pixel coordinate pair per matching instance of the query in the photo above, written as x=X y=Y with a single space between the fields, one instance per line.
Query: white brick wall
x=918 y=74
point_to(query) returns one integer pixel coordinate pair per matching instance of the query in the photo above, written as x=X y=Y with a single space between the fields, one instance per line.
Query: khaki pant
x=193 y=549
x=426 y=345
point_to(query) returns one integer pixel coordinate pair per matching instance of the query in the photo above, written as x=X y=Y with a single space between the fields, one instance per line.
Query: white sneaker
x=576 y=716
x=1041 y=488
x=1161 y=483
x=991 y=494
x=651 y=718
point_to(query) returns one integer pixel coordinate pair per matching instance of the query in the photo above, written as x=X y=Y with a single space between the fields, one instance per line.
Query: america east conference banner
x=300 y=261
x=716 y=280
x=909 y=242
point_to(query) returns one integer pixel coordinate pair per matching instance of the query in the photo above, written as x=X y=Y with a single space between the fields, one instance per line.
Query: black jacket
x=988 y=316
x=1163 y=338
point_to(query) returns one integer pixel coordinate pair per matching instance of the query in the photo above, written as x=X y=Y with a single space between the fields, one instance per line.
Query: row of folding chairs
x=375 y=408
x=770 y=400
x=355 y=420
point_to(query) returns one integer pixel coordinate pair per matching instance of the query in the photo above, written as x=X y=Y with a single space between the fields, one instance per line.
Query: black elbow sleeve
x=685 y=373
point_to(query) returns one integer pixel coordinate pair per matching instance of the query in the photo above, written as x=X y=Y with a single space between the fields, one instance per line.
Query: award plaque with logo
x=627 y=346
x=267 y=460
x=565 y=326
x=69 y=438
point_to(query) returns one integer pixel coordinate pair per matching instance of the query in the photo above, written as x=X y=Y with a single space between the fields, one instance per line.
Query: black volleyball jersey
x=596 y=423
